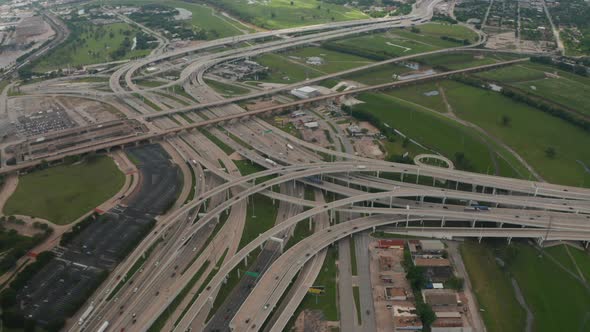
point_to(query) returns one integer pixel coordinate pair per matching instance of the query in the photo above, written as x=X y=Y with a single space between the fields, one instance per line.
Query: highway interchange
x=206 y=230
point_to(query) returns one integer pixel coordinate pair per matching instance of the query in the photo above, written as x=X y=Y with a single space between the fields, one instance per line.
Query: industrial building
x=305 y=92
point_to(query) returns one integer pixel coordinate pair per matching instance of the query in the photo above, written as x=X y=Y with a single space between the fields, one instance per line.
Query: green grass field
x=570 y=90
x=378 y=75
x=399 y=42
x=493 y=289
x=327 y=302
x=291 y=66
x=261 y=216
x=226 y=89
x=454 y=61
x=530 y=132
x=95 y=45
x=426 y=127
x=276 y=14
x=417 y=94
x=557 y=306
x=204 y=17
x=63 y=193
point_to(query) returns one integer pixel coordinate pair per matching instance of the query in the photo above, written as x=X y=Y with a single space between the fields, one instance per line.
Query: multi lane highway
x=185 y=238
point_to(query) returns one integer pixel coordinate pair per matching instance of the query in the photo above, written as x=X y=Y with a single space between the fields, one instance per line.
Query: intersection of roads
x=207 y=230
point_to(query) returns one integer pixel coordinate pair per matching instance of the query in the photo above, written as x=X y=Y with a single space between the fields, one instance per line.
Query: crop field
x=276 y=14
x=567 y=89
x=95 y=45
x=63 y=193
x=530 y=132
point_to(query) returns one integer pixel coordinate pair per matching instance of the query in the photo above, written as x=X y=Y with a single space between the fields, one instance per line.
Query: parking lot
x=43 y=122
x=62 y=286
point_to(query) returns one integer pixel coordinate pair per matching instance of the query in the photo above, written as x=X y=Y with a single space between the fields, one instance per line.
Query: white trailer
x=103 y=327
x=270 y=161
x=290 y=146
x=85 y=315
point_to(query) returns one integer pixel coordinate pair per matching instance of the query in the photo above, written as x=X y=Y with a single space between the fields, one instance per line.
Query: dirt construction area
x=387 y=272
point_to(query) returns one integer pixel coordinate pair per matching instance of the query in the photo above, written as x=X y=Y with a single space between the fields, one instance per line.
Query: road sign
x=316 y=290
x=252 y=274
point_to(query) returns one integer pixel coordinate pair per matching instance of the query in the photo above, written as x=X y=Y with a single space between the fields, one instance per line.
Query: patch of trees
x=143 y=41
x=555 y=110
x=462 y=162
x=444 y=18
x=15 y=246
x=11 y=316
x=455 y=40
x=68 y=236
x=417 y=278
x=572 y=66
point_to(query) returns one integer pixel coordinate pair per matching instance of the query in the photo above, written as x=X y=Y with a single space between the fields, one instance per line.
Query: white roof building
x=311 y=125
x=305 y=92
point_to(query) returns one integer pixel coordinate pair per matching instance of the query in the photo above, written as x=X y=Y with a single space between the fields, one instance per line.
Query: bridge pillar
x=444 y=200
x=442 y=222
x=493 y=191
x=378 y=174
x=246 y=261
x=374 y=229
x=479 y=239
x=501 y=224
x=280 y=241
x=586 y=244
x=473 y=223
x=456 y=185
x=540 y=241
x=402 y=176
x=390 y=201
x=417 y=176
x=509 y=240
x=473 y=188
x=309 y=224
x=421 y=200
